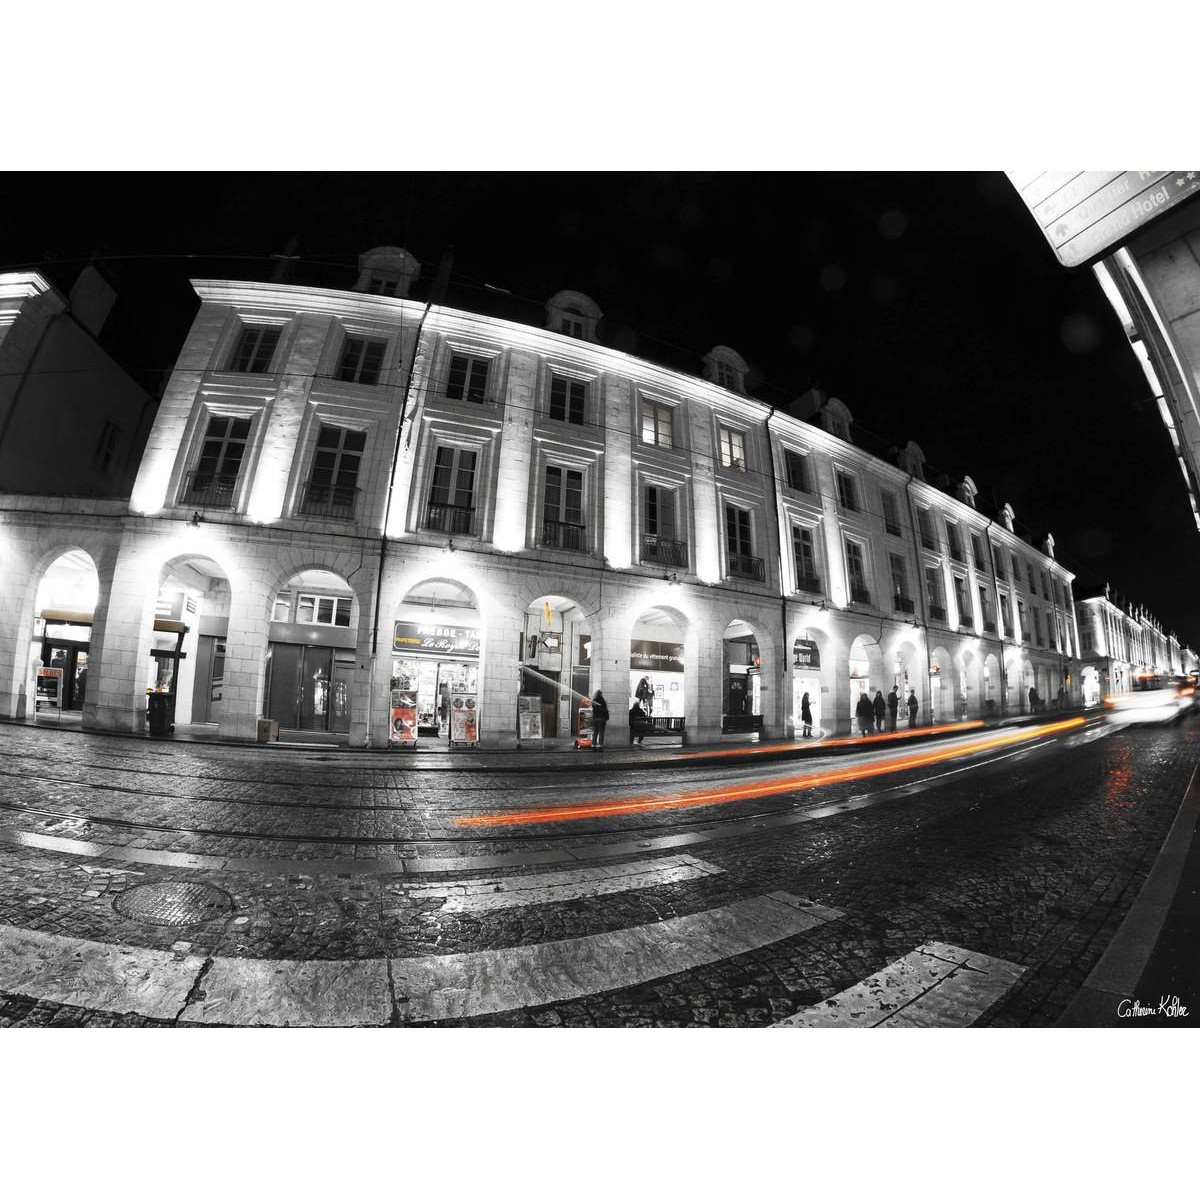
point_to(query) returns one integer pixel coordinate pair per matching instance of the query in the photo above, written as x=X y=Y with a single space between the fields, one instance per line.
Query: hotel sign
x=1085 y=214
x=412 y=637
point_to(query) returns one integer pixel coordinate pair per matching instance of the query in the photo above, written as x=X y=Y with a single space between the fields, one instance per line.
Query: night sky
x=928 y=303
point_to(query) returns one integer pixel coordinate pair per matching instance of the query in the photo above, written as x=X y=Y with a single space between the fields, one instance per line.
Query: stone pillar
x=499 y=676
x=245 y=659
x=617 y=506
x=704 y=650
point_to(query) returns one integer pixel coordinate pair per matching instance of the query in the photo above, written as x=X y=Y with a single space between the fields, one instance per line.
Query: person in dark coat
x=645 y=693
x=893 y=703
x=637 y=723
x=865 y=711
x=806 y=716
x=913 y=705
x=880 y=710
x=1033 y=700
x=599 y=719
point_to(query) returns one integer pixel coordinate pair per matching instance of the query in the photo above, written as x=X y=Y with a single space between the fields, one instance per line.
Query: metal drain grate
x=173 y=903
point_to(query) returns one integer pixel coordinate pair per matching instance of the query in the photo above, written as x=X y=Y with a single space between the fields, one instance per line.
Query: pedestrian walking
x=893 y=703
x=645 y=693
x=913 y=705
x=806 y=716
x=1033 y=700
x=637 y=723
x=865 y=711
x=880 y=709
x=599 y=719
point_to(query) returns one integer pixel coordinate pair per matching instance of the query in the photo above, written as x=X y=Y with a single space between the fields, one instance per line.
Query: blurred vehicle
x=1153 y=699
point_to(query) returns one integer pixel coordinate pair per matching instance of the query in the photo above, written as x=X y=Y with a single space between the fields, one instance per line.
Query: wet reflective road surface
x=973 y=881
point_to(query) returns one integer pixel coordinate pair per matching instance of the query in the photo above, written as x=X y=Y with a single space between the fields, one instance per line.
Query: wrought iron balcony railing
x=563 y=535
x=329 y=500
x=449 y=518
x=903 y=604
x=662 y=550
x=210 y=489
x=860 y=595
x=746 y=566
x=989 y=627
x=808 y=583
x=937 y=612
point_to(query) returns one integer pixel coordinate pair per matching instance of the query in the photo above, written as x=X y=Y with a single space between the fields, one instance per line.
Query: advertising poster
x=464 y=719
x=529 y=717
x=404 y=717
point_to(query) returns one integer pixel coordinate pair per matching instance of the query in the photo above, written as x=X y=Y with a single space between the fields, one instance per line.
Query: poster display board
x=49 y=685
x=464 y=719
x=529 y=718
x=404 y=717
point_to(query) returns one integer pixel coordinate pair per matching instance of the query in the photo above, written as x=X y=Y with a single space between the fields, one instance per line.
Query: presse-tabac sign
x=413 y=637
x=1084 y=214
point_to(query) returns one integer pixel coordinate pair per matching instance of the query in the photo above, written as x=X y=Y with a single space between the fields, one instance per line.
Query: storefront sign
x=655 y=656
x=806 y=654
x=585 y=650
x=464 y=719
x=435 y=639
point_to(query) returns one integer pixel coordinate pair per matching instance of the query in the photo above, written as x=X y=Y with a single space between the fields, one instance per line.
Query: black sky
x=929 y=303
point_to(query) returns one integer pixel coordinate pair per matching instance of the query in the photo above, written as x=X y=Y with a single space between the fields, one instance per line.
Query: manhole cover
x=173 y=903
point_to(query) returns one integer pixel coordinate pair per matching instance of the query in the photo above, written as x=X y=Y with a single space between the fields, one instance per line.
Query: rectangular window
x=740 y=545
x=378 y=286
x=857 y=572
x=955 y=541
x=1004 y=611
x=254 y=350
x=933 y=590
x=998 y=556
x=891 y=512
x=1045 y=585
x=1037 y=626
x=1085 y=638
x=562 y=509
x=323 y=610
x=726 y=376
x=1022 y=622
x=985 y=607
x=925 y=528
x=468 y=378
x=901 y=600
x=568 y=400
x=978 y=553
x=214 y=480
x=807 y=579
x=847 y=492
x=106 y=448
x=657 y=424
x=452 y=492
x=571 y=326
x=361 y=360
x=796 y=466
x=282 y=610
x=733 y=448
x=962 y=601
x=660 y=529
x=332 y=488
x=1029 y=575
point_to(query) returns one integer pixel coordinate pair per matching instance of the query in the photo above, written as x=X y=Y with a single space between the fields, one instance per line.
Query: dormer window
x=572 y=324
x=380 y=286
x=726 y=368
x=725 y=375
x=574 y=315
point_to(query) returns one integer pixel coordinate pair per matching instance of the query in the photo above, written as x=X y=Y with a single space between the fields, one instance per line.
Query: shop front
x=657 y=681
x=806 y=680
x=62 y=675
x=434 y=690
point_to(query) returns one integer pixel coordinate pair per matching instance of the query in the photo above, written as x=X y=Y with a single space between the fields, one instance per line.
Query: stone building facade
x=358 y=510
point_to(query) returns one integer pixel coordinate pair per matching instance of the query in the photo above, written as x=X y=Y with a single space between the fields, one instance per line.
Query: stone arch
x=556 y=661
x=817 y=680
x=942 y=686
x=992 y=686
x=865 y=669
x=969 y=689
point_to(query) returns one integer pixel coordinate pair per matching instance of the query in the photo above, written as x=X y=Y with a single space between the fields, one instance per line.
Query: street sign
x=1085 y=214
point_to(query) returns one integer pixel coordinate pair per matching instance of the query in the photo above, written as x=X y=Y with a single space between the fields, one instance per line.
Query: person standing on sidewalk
x=599 y=719
x=865 y=713
x=637 y=723
x=880 y=710
x=913 y=705
x=806 y=716
x=893 y=703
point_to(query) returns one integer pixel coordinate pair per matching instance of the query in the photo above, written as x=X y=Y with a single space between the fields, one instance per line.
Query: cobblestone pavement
x=1029 y=854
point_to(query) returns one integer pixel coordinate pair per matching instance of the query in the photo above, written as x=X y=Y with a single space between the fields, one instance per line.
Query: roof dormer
x=912 y=460
x=835 y=418
x=1048 y=545
x=387 y=271
x=1007 y=516
x=726 y=368
x=967 y=491
x=573 y=314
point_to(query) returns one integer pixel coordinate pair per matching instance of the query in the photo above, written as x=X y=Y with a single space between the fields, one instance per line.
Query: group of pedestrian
x=871 y=714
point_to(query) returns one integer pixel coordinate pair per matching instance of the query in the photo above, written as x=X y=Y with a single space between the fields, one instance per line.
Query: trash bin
x=158 y=705
x=268 y=731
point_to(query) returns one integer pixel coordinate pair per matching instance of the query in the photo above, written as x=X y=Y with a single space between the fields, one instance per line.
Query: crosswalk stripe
x=936 y=985
x=508 y=891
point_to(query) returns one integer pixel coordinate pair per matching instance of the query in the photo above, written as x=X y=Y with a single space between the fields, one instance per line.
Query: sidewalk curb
x=1115 y=977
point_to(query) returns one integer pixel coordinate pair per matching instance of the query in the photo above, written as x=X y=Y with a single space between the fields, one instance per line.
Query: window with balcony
x=332 y=487
x=925 y=529
x=739 y=540
x=856 y=572
x=568 y=399
x=733 y=448
x=796 y=467
x=978 y=553
x=361 y=360
x=1022 y=623
x=1037 y=626
x=804 y=547
x=901 y=600
x=891 y=512
x=962 y=601
x=985 y=607
x=468 y=378
x=451 y=507
x=934 y=593
x=562 y=509
x=998 y=556
x=660 y=531
x=254 y=350
x=658 y=424
x=213 y=481
x=847 y=491
x=1003 y=614
x=1029 y=575
x=954 y=540
x=323 y=610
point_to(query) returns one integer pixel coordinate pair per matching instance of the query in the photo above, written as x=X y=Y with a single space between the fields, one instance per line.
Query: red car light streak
x=900 y=735
x=587 y=810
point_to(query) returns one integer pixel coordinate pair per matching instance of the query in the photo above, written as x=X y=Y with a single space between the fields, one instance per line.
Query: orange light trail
x=900 y=735
x=754 y=791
